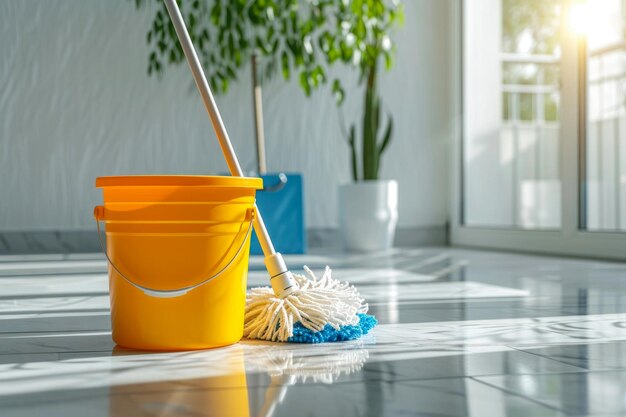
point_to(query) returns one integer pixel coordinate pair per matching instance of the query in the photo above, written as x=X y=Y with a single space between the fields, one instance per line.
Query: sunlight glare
x=597 y=20
x=579 y=21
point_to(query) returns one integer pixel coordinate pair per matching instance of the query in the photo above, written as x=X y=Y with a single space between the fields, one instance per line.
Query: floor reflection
x=288 y=367
x=222 y=392
x=462 y=333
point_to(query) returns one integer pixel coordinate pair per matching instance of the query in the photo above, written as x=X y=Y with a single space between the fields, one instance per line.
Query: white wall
x=76 y=103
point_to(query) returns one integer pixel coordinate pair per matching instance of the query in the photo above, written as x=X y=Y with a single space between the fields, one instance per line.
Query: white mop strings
x=316 y=304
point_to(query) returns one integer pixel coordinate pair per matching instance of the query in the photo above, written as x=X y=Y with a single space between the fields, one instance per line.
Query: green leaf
x=338 y=92
x=317 y=76
x=386 y=136
x=285 y=65
x=388 y=61
x=231 y=73
x=375 y=113
x=293 y=20
x=216 y=12
x=205 y=35
x=333 y=55
x=274 y=47
x=304 y=83
x=254 y=15
x=346 y=51
x=260 y=45
x=307 y=28
x=369 y=138
x=231 y=44
x=229 y=17
x=162 y=46
x=172 y=30
x=400 y=14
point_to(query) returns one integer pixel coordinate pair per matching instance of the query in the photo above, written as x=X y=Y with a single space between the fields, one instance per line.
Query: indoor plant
x=368 y=206
x=306 y=38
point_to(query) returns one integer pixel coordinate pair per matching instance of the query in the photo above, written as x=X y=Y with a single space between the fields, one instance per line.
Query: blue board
x=281 y=204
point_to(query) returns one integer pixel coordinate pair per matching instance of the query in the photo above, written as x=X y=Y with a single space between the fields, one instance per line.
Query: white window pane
x=511 y=114
x=605 y=150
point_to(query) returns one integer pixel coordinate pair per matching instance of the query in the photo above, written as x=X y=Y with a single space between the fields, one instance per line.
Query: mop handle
x=282 y=280
x=214 y=115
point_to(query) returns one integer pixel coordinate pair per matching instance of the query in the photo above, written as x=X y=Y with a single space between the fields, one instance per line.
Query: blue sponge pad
x=303 y=335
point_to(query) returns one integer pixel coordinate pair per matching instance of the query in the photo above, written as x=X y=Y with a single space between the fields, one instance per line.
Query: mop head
x=322 y=310
x=329 y=334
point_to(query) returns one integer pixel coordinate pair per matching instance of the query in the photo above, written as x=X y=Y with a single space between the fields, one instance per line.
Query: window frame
x=571 y=239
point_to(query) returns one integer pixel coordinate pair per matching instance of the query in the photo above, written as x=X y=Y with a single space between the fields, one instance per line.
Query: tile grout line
x=515 y=394
x=556 y=360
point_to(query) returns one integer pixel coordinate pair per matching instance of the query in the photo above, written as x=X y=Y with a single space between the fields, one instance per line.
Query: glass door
x=541 y=161
x=511 y=102
x=604 y=49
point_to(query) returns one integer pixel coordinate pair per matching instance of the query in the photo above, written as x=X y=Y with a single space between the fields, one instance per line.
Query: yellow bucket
x=178 y=250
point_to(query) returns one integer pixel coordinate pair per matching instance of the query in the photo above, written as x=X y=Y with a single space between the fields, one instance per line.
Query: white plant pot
x=368 y=214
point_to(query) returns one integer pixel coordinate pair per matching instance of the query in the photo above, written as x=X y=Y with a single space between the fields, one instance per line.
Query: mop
x=297 y=308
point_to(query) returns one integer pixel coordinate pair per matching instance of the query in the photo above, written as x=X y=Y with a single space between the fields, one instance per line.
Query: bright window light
x=597 y=20
x=579 y=21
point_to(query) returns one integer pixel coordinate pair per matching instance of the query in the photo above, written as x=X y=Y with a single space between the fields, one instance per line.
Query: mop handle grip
x=214 y=115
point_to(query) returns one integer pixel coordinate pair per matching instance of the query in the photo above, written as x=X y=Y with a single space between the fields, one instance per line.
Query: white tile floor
x=462 y=333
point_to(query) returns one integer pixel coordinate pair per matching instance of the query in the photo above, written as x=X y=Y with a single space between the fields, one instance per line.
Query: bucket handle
x=99 y=214
x=282 y=181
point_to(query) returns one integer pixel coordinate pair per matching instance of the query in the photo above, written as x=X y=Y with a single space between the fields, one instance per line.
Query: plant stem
x=353 y=159
x=257 y=103
x=370 y=127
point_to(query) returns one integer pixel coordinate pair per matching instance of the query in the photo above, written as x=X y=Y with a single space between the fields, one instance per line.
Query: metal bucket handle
x=98 y=213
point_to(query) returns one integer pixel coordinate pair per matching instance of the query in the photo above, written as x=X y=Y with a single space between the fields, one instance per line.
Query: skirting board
x=32 y=242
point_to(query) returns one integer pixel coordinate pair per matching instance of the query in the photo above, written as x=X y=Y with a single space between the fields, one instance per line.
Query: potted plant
x=305 y=37
x=368 y=207
x=359 y=37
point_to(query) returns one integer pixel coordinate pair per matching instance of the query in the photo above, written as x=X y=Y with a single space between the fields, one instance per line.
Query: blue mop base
x=303 y=335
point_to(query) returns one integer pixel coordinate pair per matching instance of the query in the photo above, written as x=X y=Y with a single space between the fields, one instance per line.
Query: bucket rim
x=178 y=180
